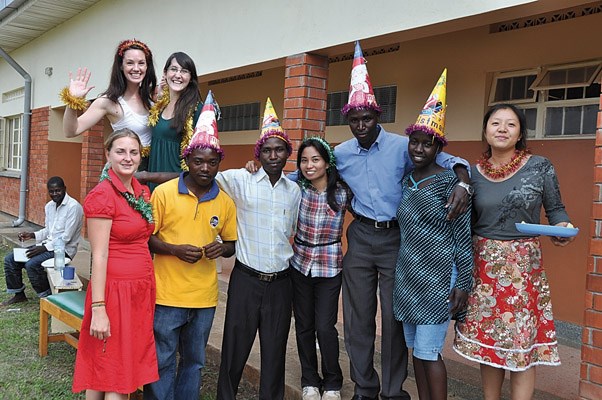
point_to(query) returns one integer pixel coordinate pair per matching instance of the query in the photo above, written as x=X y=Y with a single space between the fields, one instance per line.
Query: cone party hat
x=361 y=93
x=431 y=119
x=271 y=127
x=205 y=135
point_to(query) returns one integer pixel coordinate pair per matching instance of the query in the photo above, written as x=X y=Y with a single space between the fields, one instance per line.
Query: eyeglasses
x=175 y=70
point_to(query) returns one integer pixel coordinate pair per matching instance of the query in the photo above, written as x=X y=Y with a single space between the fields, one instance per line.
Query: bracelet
x=145 y=151
x=98 y=304
x=73 y=102
x=469 y=189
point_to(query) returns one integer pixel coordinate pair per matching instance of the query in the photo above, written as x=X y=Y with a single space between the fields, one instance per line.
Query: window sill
x=10 y=174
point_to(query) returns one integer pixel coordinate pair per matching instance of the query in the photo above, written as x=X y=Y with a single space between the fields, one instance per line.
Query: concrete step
x=463 y=375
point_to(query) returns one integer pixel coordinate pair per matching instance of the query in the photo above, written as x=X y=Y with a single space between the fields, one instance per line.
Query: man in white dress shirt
x=64 y=218
x=260 y=291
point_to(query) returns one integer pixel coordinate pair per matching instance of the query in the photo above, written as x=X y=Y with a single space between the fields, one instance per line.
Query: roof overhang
x=22 y=21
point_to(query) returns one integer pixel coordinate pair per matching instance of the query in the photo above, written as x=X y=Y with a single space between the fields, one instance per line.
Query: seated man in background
x=64 y=218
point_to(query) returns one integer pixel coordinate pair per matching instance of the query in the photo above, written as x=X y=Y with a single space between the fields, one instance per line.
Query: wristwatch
x=468 y=188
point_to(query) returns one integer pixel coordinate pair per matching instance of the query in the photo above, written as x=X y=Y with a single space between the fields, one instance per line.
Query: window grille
x=386 y=97
x=239 y=117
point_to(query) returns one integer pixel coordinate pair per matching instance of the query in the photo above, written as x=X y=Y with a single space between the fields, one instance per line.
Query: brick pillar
x=590 y=386
x=305 y=86
x=37 y=174
x=93 y=159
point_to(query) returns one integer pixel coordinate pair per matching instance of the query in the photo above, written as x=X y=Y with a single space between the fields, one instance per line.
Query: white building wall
x=218 y=35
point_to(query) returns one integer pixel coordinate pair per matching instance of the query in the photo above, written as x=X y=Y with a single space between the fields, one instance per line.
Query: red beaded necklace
x=505 y=170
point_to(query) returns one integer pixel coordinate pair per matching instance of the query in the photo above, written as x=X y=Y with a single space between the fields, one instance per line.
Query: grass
x=24 y=375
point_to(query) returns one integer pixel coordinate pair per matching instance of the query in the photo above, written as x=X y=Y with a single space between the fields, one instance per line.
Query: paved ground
x=552 y=382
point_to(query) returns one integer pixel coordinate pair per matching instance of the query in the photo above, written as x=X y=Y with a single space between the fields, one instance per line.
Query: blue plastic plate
x=548 y=230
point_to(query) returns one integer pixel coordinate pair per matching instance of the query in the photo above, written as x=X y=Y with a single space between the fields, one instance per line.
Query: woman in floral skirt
x=509 y=324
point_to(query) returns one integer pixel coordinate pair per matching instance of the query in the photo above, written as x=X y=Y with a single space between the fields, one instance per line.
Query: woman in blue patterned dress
x=435 y=253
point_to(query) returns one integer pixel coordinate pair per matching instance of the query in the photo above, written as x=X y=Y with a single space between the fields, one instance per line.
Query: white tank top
x=136 y=122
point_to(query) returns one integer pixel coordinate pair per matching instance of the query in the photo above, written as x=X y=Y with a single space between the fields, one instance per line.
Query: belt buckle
x=266 y=277
x=382 y=224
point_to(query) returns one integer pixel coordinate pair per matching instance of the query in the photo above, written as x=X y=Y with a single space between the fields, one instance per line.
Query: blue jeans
x=183 y=330
x=35 y=272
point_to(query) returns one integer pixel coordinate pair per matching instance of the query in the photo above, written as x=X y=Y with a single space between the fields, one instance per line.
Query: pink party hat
x=361 y=94
x=205 y=134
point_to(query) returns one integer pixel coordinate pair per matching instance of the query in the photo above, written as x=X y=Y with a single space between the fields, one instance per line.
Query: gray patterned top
x=497 y=206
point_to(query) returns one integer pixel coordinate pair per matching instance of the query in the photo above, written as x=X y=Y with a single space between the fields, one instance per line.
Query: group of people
x=412 y=245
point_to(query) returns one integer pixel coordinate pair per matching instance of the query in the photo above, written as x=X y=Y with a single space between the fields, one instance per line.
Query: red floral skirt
x=509 y=322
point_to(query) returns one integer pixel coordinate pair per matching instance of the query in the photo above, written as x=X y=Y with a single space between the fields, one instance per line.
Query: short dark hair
x=522 y=121
x=55 y=181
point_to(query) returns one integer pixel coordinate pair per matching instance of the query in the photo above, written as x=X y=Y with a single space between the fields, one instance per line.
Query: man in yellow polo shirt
x=190 y=212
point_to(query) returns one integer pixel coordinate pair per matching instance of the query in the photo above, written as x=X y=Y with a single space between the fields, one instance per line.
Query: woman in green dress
x=172 y=118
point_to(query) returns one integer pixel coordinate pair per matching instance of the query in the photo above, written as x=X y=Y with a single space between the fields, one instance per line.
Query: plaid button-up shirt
x=317 y=243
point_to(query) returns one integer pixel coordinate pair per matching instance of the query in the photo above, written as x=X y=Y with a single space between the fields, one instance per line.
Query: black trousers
x=316 y=304
x=254 y=305
x=368 y=269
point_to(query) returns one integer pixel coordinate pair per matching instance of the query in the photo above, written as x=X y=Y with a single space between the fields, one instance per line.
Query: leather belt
x=378 y=225
x=262 y=276
x=307 y=244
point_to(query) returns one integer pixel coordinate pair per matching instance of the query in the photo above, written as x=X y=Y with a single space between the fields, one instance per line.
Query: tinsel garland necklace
x=139 y=204
x=153 y=119
x=504 y=170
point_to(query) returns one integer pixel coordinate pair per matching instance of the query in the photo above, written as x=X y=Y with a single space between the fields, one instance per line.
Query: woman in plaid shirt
x=317 y=266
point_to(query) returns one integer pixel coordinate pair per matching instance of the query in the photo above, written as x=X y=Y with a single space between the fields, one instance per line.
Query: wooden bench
x=67 y=307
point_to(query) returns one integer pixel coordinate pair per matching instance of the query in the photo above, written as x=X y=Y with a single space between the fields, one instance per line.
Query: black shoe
x=17 y=298
x=361 y=397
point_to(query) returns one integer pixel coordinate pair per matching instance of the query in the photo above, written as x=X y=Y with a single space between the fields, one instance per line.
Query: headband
x=127 y=44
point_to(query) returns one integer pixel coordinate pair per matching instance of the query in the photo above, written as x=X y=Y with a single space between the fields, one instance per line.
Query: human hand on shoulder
x=78 y=86
x=187 y=252
x=458 y=202
x=251 y=166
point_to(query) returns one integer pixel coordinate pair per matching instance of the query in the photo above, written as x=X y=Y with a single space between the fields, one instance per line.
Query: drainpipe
x=25 y=139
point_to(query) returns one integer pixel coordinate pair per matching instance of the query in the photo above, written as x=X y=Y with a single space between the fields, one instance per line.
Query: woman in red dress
x=116 y=352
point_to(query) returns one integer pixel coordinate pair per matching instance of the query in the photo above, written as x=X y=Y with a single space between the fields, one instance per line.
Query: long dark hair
x=331 y=171
x=118 y=83
x=522 y=121
x=191 y=95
